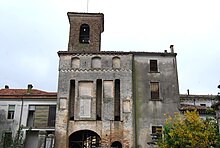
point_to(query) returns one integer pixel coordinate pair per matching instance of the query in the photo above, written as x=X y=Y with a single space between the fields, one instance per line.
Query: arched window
x=96 y=62
x=75 y=62
x=116 y=62
x=84 y=34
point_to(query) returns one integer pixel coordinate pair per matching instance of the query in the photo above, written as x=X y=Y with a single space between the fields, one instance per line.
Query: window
x=202 y=104
x=84 y=34
x=116 y=62
x=52 y=116
x=85 y=92
x=96 y=62
x=108 y=100
x=41 y=116
x=11 y=111
x=153 y=66
x=108 y=91
x=75 y=62
x=154 y=87
x=30 y=120
x=156 y=132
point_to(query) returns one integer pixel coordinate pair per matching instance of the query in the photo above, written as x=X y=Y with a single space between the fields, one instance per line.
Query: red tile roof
x=199 y=97
x=200 y=109
x=191 y=107
x=34 y=93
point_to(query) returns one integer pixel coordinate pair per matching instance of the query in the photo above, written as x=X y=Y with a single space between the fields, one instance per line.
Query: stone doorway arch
x=116 y=144
x=84 y=139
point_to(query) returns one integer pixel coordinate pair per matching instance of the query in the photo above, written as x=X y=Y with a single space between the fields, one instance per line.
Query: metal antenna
x=87 y=6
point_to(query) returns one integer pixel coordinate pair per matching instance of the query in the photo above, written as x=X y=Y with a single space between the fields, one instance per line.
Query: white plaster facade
x=202 y=103
x=22 y=103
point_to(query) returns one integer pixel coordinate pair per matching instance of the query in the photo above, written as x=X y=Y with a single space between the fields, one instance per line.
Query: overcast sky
x=32 y=31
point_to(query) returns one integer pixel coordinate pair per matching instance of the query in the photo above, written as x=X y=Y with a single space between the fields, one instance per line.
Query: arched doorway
x=116 y=144
x=84 y=139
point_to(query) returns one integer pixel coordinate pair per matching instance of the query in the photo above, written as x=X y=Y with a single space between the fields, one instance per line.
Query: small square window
x=156 y=132
x=154 y=87
x=11 y=111
x=153 y=66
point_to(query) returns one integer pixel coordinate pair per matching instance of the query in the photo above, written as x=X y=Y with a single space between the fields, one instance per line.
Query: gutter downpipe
x=22 y=104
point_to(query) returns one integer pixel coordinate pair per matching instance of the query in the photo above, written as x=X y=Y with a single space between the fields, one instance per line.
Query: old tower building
x=94 y=89
x=110 y=99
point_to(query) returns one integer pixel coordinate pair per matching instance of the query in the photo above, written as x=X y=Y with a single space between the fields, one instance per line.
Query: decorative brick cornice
x=95 y=70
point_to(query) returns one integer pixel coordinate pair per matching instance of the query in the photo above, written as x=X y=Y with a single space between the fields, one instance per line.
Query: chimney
x=172 y=48
x=29 y=89
x=6 y=87
x=187 y=91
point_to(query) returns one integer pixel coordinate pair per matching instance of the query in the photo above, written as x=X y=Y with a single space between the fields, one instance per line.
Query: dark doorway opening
x=84 y=139
x=117 y=100
x=99 y=99
x=116 y=144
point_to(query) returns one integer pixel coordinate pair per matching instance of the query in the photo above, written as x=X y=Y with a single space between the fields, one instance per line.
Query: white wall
x=14 y=123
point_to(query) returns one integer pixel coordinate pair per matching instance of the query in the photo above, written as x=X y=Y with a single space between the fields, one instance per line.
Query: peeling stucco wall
x=108 y=129
x=151 y=112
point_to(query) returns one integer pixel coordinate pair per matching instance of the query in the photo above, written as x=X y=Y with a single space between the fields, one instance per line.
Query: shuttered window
x=153 y=66
x=154 y=86
x=41 y=116
x=157 y=132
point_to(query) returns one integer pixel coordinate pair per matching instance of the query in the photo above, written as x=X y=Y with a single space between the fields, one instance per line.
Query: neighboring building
x=30 y=109
x=202 y=103
x=108 y=98
x=155 y=92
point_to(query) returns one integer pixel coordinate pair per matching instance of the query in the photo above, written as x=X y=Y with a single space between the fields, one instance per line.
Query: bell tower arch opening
x=84 y=34
x=84 y=139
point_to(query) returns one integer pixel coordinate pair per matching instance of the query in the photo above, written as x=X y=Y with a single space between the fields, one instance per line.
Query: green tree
x=10 y=142
x=189 y=131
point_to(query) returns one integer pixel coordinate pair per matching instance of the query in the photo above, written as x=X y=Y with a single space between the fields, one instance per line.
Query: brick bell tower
x=85 y=31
